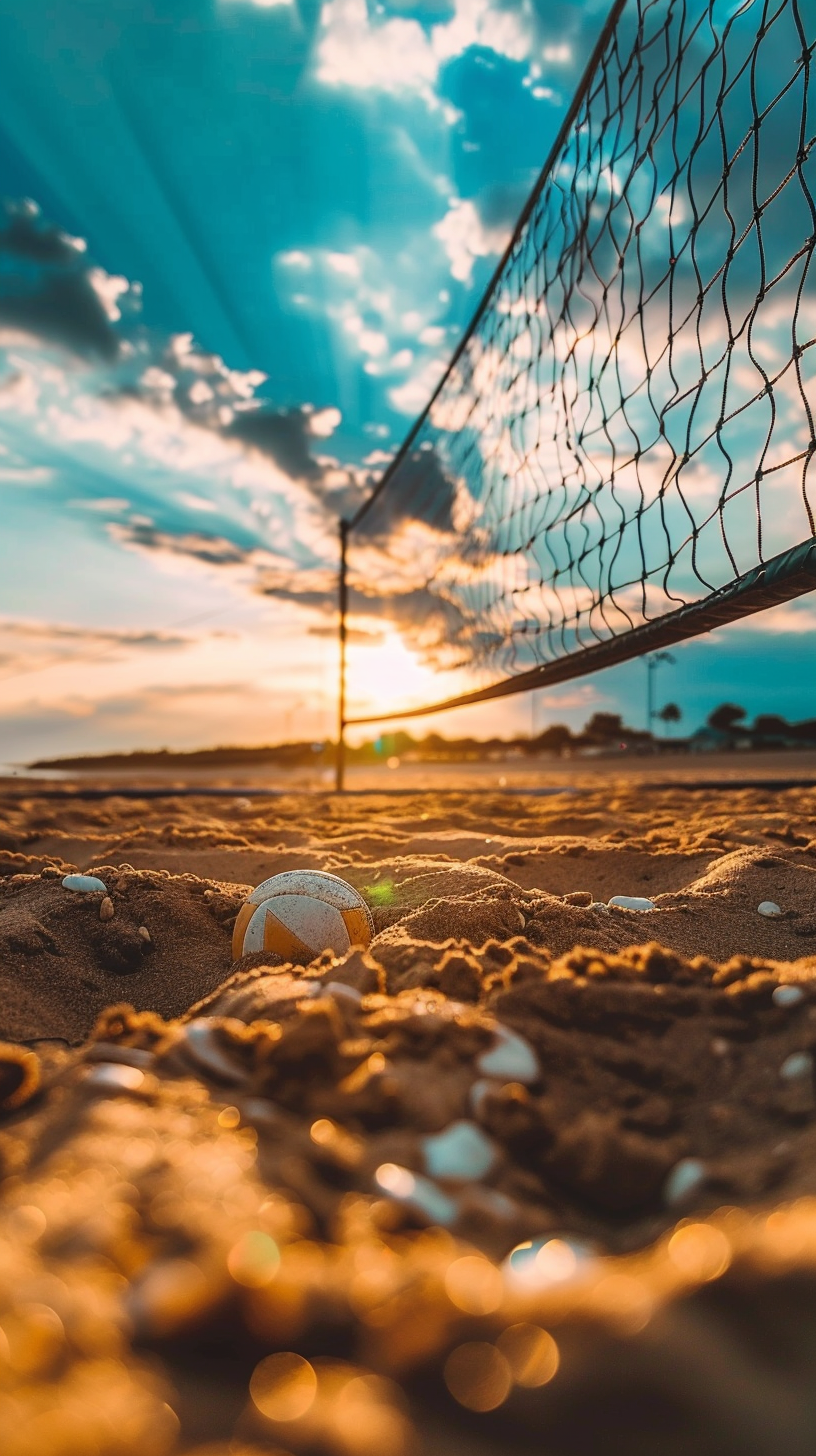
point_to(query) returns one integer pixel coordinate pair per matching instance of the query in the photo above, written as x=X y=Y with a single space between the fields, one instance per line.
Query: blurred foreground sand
x=238 y=1210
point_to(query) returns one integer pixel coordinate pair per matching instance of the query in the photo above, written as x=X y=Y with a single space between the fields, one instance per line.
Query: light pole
x=652 y=664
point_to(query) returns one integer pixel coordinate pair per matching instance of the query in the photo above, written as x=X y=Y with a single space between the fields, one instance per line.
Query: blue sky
x=241 y=240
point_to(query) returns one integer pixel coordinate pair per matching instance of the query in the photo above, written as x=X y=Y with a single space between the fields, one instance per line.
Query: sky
x=240 y=242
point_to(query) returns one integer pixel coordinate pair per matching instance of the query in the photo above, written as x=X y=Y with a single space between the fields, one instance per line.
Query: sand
x=212 y=1170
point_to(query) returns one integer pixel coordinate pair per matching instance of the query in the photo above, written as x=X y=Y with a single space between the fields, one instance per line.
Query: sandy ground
x=263 y=1207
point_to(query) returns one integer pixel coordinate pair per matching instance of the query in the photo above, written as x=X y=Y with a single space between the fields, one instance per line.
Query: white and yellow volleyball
x=298 y=914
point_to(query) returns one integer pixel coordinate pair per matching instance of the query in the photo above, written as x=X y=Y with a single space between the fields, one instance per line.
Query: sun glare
x=387 y=676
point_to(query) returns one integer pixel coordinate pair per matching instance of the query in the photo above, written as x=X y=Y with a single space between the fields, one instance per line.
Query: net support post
x=342 y=602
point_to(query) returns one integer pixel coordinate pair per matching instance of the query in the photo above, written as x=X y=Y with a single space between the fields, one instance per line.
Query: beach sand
x=270 y=1208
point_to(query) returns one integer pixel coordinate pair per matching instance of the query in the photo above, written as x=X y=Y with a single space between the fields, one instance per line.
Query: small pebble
x=788 y=996
x=769 y=909
x=417 y=1192
x=720 y=1047
x=798 y=1064
x=684 y=1179
x=510 y=1056
x=144 y=934
x=84 y=884
x=461 y=1151
x=106 y=910
x=631 y=902
x=112 y=1077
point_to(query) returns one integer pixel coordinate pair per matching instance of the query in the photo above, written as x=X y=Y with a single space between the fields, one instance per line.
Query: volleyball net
x=619 y=455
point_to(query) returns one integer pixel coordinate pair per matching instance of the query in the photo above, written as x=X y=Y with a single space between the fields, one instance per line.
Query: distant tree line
x=726 y=727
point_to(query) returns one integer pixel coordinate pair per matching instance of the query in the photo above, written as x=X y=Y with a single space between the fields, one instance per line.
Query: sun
x=385 y=676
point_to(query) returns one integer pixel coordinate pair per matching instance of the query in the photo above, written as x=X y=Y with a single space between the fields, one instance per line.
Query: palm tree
x=670 y=714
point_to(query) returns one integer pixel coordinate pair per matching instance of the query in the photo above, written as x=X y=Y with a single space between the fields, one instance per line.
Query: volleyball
x=300 y=913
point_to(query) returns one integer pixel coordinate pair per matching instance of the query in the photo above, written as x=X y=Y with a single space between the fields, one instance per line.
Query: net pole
x=342 y=595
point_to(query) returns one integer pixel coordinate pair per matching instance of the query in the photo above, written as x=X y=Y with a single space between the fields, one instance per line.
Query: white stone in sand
x=510 y=1056
x=788 y=996
x=84 y=884
x=684 y=1179
x=418 y=1192
x=115 y=1078
x=798 y=1064
x=769 y=908
x=461 y=1151
x=631 y=902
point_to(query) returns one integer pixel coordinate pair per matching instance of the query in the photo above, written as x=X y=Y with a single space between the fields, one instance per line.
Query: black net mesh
x=628 y=425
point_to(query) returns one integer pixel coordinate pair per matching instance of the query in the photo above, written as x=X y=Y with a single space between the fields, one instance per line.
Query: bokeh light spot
x=474 y=1285
x=478 y=1376
x=254 y=1260
x=700 y=1251
x=531 y=1353
x=283 y=1386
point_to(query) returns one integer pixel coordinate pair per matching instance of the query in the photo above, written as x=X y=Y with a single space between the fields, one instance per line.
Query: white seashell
x=110 y=1077
x=416 y=1192
x=461 y=1151
x=510 y=1057
x=84 y=884
x=769 y=909
x=798 y=1064
x=631 y=902
x=788 y=996
x=684 y=1179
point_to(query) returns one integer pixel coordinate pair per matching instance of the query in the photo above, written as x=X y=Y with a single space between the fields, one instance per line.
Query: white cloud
x=25 y=475
x=465 y=237
x=403 y=359
x=324 y=422
x=559 y=55
x=372 y=342
x=108 y=287
x=105 y=504
x=344 y=263
x=195 y=502
x=200 y=393
x=295 y=259
x=262 y=4
x=412 y=396
x=397 y=55
x=394 y=55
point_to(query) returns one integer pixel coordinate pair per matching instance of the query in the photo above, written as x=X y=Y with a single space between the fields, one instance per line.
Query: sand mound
x=166 y=944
